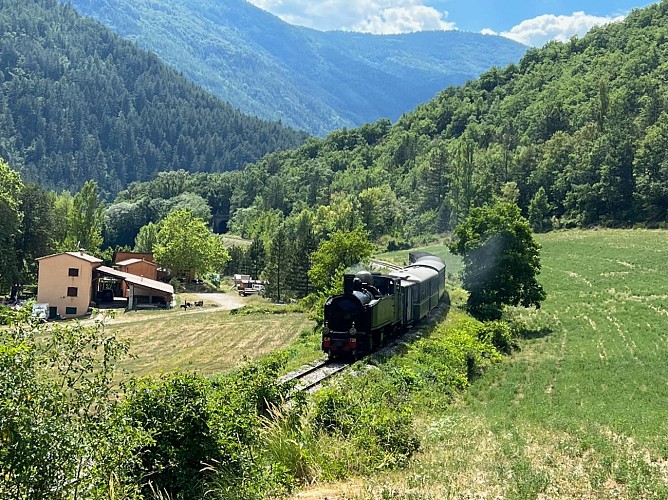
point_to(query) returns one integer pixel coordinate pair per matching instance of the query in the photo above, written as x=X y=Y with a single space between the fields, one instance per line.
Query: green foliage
x=499 y=334
x=36 y=231
x=539 y=210
x=84 y=228
x=276 y=271
x=449 y=359
x=61 y=435
x=176 y=413
x=10 y=188
x=184 y=244
x=595 y=149
x=341 y=250
x=374 y=422
x=201 y=431
x=146 y=238
x=501 y=260
x=80 y=103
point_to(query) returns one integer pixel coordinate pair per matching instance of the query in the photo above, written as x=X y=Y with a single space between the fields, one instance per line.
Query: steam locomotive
x=377 y=307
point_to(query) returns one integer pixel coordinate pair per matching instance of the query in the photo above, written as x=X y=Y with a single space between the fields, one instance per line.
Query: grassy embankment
x=581 y=411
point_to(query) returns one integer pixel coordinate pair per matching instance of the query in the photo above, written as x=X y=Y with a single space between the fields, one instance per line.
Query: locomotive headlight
x=352 y=330
x=325 y=330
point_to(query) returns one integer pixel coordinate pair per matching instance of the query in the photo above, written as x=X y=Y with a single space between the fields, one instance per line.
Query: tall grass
x=582 y=410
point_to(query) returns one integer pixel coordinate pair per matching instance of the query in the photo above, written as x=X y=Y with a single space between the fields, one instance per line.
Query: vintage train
x=374 y=308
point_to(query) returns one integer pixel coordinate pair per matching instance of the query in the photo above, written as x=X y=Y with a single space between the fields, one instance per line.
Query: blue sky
x=530 y=22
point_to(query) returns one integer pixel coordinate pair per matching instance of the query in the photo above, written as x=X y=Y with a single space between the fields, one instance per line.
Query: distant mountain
x=576 y=132
x=316 y=81
x=78 y=102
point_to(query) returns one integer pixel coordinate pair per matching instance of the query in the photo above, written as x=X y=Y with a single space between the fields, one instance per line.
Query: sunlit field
x=582 y=410
x=208 y=343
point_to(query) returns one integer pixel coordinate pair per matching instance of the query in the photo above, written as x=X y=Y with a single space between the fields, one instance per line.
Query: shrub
x=390 y=431
x=333 y=411
x=9 y=316
x=174 y=410
x=499 y=334
x=61 y=435
x=201 y=429
x=368 y=412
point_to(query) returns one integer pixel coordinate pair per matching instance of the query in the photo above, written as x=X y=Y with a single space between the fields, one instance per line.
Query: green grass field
x=207 y=343
x=582 y=410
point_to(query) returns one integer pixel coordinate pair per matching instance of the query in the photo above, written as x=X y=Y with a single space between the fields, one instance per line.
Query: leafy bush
x=174 y=411
x=435 y=368
x=9 y=316
x=372 y=415
x=61 y=434
x=201 y=430
x=390 y=431
x=499 y=334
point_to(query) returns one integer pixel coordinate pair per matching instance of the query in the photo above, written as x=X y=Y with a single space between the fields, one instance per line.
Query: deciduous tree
x=186 y=245
x=10 y=217
x=145 y=240
x=276 y=272
x=86 y=219
x=501 y=260
x=342 y=250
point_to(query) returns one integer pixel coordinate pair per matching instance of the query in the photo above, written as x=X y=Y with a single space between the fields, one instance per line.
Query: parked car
x=250 y=290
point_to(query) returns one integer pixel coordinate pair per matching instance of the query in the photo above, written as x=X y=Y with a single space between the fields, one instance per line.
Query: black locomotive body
x=374 y=308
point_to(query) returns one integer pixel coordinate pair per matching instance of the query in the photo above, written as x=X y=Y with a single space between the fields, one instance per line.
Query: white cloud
x=371 y=16
x=487 y=31
x=541 y=29
x=404 y=20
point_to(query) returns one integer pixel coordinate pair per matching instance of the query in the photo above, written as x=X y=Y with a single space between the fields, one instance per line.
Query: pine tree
x=276 y=272
x=299 y=260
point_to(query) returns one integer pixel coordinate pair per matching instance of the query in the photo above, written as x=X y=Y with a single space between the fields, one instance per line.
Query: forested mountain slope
x=79 y=103
x=316 y=81
x=577 y=132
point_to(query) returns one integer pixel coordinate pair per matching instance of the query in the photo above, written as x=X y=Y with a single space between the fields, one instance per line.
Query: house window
x=70 y=310
x=72 y=291
x=74 y=271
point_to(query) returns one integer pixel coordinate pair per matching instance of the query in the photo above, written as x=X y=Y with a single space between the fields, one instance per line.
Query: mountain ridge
x=308 y=79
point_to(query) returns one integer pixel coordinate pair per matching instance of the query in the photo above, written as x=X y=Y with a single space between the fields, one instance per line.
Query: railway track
x=310 y=377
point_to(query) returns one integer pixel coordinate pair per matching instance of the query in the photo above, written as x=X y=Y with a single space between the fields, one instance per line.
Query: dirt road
x=213 y=302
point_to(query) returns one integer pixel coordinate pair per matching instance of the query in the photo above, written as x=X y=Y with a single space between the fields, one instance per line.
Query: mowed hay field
x=582 y=410
x=209 y=342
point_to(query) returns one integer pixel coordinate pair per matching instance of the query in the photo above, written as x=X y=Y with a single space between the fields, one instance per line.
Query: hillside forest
x=80 y=103
x=575 y=134
x=310 y=80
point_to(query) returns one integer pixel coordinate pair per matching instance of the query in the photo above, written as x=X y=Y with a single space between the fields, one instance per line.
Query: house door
x=53 y=312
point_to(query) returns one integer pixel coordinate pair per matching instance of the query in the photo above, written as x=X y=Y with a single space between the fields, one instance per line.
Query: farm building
x=72 y=282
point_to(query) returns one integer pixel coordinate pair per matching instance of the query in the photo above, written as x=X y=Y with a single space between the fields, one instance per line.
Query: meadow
x=581 y=410
x=210 y=342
